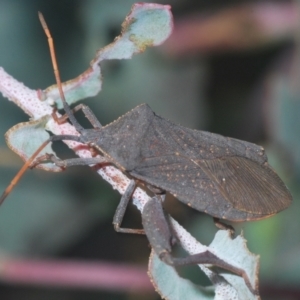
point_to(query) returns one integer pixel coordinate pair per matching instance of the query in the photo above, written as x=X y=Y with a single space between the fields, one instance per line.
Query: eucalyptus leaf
x=147 y=25
x=171 y=286
x=25 y=138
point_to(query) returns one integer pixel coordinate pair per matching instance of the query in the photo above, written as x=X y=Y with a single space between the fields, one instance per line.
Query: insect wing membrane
x=248 y=186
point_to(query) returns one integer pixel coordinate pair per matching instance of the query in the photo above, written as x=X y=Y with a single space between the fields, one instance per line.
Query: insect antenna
x=66 y=106
x=22 y=171
x=67 y=109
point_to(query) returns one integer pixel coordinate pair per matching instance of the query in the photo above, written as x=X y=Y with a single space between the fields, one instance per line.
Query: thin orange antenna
x=66 y=108
x=22 y=171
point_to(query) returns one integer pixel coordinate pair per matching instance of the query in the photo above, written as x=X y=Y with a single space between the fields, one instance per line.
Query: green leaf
x=25 y=138
x=171 y=286
x=147 y=25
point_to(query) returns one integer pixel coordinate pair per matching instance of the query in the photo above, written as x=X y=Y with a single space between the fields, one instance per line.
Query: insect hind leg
x=207 y=257
x=161 y=237
x=224 y=226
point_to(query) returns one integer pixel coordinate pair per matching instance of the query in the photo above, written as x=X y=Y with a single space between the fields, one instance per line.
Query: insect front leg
x=161 y=238
x=90 y=115
x=121 y=209
x=70 y=162
x=86 y=111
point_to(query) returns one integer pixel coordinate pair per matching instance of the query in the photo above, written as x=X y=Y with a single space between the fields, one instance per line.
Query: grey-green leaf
x=25 y=138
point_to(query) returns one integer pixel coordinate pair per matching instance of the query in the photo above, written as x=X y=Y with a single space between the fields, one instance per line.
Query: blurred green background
x=231 y=67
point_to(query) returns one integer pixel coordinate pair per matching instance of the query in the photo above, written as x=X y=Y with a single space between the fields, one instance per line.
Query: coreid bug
x=226 y=178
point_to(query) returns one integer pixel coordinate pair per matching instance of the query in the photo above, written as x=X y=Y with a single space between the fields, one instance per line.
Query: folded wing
x=233 y=188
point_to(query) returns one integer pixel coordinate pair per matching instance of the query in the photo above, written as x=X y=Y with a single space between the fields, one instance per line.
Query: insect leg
x=207 y=257
x=157 y=228
x=70 y=162
x=161 y=238
x=89 y=115
x=224 y=226
x=87 y=112
x=121 y=209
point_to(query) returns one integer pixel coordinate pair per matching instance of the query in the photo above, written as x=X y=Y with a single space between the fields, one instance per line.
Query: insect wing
x=223 y=177
x=248 y=186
